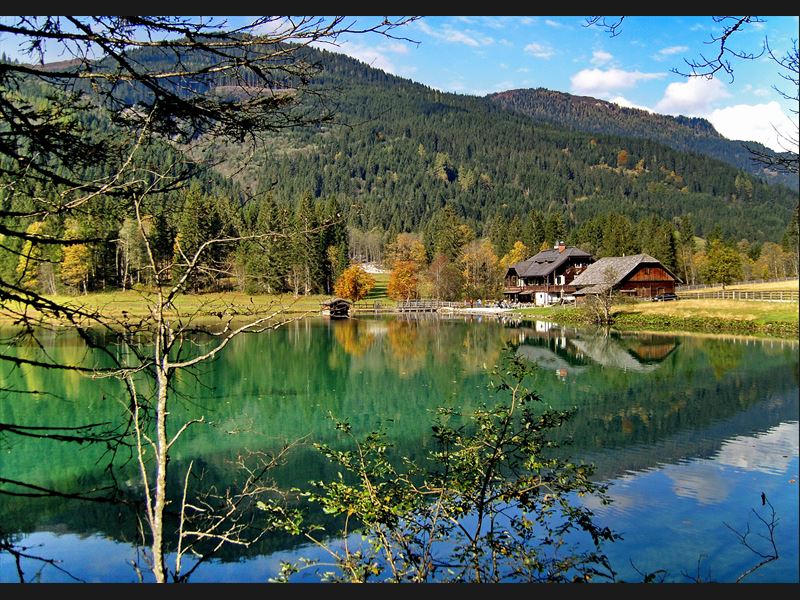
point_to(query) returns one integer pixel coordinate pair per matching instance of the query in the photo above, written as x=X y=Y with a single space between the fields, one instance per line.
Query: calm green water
x=688 y=431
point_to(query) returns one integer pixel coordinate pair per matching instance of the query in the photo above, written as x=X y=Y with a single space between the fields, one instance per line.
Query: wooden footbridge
x=426 y=306
x=404 y=306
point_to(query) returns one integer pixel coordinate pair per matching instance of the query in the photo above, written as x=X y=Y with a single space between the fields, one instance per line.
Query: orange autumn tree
x=354 y=283
x=406 y=257
x=403 y=281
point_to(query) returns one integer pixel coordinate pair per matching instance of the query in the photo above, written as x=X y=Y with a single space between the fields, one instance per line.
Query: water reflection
x=696 y=504
x=568 y=350
x=685 y=427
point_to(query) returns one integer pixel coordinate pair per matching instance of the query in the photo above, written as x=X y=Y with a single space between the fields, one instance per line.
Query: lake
x=687 y=430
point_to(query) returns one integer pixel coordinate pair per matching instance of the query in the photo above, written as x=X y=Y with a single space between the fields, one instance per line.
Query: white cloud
x=756 y=123
x=539 y=50
x=692 y=97
x=448 y=34
x=551 y=23
x=527 y=20
x=765 y=123
x=495 y=22
x=600 y=82
x=600 y=57
x=397 y=48
x=700 y=480
x=760 y=92
x=622 y=101
x=372 y=56
x=768 y=452
x=453 y=35
x=673 y=50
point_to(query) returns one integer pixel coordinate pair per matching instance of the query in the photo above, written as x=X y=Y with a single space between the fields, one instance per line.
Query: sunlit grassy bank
x=132 y=305
x=709 y=315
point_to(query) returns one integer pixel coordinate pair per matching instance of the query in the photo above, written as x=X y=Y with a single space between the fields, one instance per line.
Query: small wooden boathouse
x=336 y=308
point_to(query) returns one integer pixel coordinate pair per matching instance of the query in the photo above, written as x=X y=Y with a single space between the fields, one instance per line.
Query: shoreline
x=204 y=311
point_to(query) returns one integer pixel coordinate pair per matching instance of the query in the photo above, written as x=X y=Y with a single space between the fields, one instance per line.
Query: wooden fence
x=701 y=286
x=764 y=296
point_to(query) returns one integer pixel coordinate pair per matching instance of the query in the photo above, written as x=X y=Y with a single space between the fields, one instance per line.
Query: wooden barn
x=637 y=276
x=336 y=308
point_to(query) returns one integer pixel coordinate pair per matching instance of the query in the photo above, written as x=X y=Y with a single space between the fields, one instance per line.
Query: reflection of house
x=549 y=360
x=546 y=277
x=650 y=349
x=639 y=275
x=607 y=352
x=567 y=351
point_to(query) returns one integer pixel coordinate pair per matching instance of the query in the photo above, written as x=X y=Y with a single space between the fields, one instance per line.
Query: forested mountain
x=397 y=156
x=681 y=133
x=399 y=151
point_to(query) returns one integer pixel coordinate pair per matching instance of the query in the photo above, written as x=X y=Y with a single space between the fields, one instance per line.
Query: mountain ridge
x=586 y=113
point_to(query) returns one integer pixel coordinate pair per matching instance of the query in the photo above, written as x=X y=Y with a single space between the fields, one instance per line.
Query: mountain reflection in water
x=688 y=430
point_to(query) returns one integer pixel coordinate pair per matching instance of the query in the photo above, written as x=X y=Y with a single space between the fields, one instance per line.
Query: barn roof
x=611 y=270
x=335 y=301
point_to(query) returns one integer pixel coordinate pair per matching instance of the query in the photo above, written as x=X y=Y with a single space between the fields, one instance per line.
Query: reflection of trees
x=280 y=386
x=404 y=339
x=723 y=356
x=354 y=339
x=408 y=350
x=481 y=346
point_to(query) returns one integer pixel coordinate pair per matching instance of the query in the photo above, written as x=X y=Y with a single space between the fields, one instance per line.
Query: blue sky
x=483 y=54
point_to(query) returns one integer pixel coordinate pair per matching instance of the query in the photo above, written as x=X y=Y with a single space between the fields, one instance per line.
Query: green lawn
x=711 y=315
x=379 y=291
x=132 y=305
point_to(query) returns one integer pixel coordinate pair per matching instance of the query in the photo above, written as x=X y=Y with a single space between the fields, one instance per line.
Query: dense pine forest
x=489 y=180
x=690 y=134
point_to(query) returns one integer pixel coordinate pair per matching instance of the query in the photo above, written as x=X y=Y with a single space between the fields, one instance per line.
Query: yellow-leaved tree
x=518 y=253
x=403 y=281
x=76 y=259
x=354 y=284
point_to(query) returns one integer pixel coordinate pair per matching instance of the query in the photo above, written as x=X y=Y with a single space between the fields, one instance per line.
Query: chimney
x=560 y=246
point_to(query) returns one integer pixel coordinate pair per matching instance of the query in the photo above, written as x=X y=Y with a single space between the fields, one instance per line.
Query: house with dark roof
x=546 y=277
x=638 y=276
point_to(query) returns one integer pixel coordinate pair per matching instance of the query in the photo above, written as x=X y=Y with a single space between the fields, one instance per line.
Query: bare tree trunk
x=162 y=446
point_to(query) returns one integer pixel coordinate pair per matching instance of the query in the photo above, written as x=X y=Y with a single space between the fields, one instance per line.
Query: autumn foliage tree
x=403 y=281
x=354 y=284
x=481 y=269
x=443 y=279
x=518 y=253
x=406 y=247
